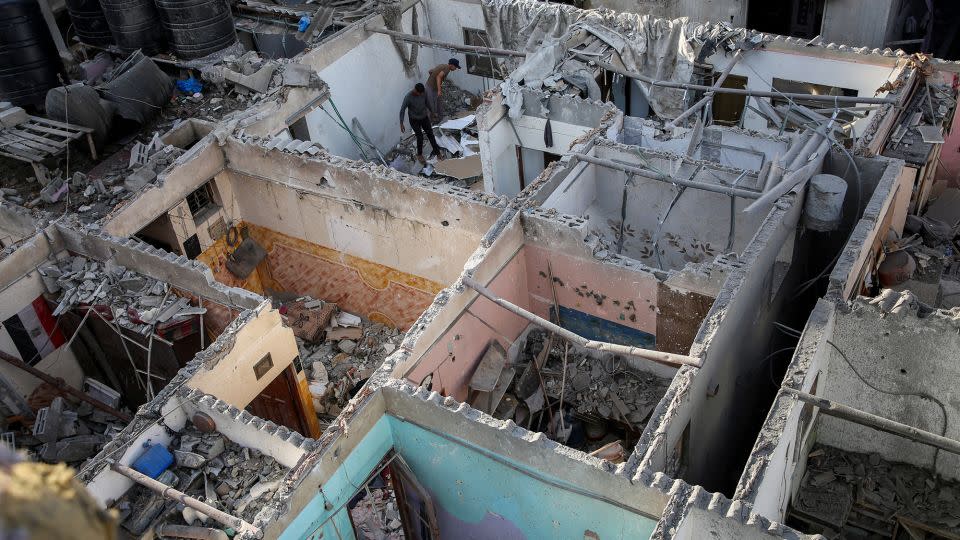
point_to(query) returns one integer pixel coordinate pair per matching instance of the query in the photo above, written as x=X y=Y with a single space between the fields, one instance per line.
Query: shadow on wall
x=374 y=291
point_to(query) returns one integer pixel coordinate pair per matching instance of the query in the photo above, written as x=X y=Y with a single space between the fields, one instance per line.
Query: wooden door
x=279 y=403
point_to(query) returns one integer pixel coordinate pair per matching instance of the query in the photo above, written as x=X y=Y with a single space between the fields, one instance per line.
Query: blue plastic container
x=154 y=461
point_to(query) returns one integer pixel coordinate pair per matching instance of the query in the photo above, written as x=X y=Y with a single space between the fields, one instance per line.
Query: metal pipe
x=738 y=91
x=716 y=188
x=710 y=93
x=184 y=531
x=831 y=408
x=446 y=44
x=669 y=359
x=63 y=387
x=168 y=492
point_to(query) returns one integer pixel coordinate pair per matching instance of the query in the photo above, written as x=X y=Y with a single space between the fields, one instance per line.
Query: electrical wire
x=922 y=395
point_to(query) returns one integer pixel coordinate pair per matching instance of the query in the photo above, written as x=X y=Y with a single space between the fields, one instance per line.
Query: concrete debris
x=11 y=117
x=376 y=514
x=63 y=432
x=212 y=468
x=860 y=495
x=123 y=297
x=599 y=395
x=345 y=358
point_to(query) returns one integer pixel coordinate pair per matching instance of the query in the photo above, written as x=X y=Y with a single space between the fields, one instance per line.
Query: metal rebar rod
x=625 y=350
x=446 y=44
x=716 y=188
x=710 y=93
x=168 y=492
x=63 y=387
x=738 y=91
x=845 y=412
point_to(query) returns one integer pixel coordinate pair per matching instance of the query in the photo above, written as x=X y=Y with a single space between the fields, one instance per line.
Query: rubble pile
x=861 y=495
x=341 y=350
x=128 y=299
x=376 y=515
x=64 y=433
x=209 y=467
x=92 y=196
x=594 y=391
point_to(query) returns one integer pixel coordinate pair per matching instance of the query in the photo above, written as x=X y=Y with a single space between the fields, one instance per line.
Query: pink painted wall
x=949 y=171
x=591 y=278
x=454 y=357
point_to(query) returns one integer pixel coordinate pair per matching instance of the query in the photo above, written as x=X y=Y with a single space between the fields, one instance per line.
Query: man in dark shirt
x=419 y=110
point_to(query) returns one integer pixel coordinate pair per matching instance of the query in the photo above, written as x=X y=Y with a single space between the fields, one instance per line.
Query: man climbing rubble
x=435 y=84
x=419 y=109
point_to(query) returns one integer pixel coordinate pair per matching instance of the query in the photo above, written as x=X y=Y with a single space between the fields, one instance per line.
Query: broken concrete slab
x=140 y=178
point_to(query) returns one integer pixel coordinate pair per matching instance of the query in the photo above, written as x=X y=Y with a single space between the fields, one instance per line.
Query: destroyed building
x=650 y=254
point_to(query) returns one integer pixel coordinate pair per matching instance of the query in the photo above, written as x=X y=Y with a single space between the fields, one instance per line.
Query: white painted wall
x=762 y=66
x=368 y=82
x=447 y=19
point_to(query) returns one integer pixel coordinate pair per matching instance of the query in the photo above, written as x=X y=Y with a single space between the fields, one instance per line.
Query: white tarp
x=656 y=48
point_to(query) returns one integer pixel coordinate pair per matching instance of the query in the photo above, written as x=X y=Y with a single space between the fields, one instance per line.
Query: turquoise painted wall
x=476 y=497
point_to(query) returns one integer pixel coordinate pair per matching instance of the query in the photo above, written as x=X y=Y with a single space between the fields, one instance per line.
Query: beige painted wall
x=232 y=379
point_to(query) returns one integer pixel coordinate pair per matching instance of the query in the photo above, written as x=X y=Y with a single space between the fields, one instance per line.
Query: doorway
x=280 y=403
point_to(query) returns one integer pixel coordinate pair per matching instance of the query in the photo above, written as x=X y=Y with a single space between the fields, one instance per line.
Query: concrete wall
x=696 y=230
x=778 y=460
x=371 y=212
x=571 y=119
x=447 y=19
x=259 y=337
x=859 y=23
x=15 y=224
x=898 y=353
x=367 y=81
x=486 y=478
x=699 y=402
x=193 y=168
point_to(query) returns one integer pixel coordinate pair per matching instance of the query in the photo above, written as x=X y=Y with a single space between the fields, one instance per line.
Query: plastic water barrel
x=89 y=23
x=135 y=24
x=29 y=62
x=197 y=27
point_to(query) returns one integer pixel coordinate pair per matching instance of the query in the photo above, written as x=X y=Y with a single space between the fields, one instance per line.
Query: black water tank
x=197 y=27
x=29 y=62
x=134 y=24
x=89 y=23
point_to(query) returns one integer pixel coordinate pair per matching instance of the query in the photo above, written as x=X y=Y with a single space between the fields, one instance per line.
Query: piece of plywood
x=461 y=168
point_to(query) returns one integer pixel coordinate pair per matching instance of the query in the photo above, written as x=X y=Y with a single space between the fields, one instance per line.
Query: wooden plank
x=54 y=123
x=42 y=146
x=15 y=156
x=17 y=148
x=42 y=129
x=39 y=139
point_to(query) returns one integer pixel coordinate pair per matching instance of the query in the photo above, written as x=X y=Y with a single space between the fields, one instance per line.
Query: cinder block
x=13 y=116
